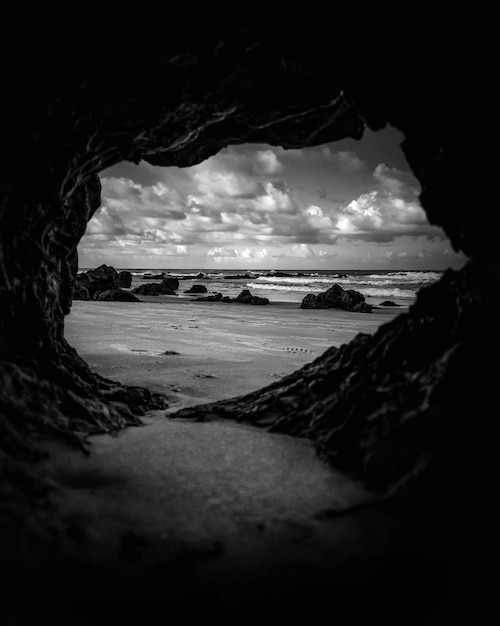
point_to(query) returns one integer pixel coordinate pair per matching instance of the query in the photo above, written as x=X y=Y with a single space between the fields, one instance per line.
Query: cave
x=406 y=410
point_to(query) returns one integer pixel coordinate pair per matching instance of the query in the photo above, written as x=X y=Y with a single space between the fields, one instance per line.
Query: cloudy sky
x=346 y=205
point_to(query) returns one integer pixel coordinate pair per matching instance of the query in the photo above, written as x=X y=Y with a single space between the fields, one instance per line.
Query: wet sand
x=224 y=350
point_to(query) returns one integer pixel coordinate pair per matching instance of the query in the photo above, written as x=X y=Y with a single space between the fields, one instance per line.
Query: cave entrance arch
x=241 y=192
x=198 y=97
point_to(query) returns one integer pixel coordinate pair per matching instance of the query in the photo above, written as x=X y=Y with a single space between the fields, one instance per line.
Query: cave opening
x=280 y=223
x=393 y=409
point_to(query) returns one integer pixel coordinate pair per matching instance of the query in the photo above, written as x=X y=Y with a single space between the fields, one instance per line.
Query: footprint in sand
x=295 y=350
x=202 y=375
x=291 y=349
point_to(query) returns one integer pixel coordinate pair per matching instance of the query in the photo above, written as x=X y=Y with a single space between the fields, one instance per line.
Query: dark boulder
x=388 y=303
x=118 y=295
x=83 y=278
x=216 y=297
x=124 y=279
x=245 y=297
x=196 y=289
x=169 y=284
x=337 y=298
x=80 y=292
x=149 y=289
x=165 y=288
x=103 y=278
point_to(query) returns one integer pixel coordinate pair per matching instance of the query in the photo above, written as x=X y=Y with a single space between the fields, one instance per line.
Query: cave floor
x=219 y=515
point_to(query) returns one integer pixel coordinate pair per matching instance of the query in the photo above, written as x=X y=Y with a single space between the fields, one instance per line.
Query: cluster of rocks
x=238 y=276
x=245 y=297
x=103 y=283
x=337 y=298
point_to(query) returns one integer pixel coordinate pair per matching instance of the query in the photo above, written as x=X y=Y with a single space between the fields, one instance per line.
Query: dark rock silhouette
x=80 y=291
x=337 y=298
x=196 y=289
x=237 y=276
x=124 y=279
x=117 y=294
x=216 y=297
x=165 y=288
x=388 y=303
x=102 y=278
x=245 y=297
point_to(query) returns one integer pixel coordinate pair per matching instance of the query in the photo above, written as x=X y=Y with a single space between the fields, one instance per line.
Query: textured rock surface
x=381 y=406
x=337 y=298
x=412 y=402
x=102 y=278
x=124 y=279
x=196 y=289
x=118 y=295
x=165 y=288
x=245 y=297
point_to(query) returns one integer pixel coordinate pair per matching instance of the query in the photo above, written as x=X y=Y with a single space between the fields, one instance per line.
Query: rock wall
x=380 y=407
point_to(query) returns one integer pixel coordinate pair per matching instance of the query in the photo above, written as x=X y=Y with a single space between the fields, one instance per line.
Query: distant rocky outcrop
x=199 y=276
x=278 y=274
x=124 y=279
x=245 y=297
x=388 y=303
x=149 y=276
x=165 y=288
x=237 y=276
x=118 y=295
x=196 y=289
x=337 y=298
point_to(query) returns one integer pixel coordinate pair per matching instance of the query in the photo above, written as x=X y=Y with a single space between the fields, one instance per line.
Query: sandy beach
x=222 y=350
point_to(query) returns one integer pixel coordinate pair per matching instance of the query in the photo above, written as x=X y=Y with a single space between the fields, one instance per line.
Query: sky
x=344 y=205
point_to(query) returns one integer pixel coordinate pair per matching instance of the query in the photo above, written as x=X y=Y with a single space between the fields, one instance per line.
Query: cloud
x=245 y=204
x=389 y=211
x=267 y=162
x=346 y=160
x=222 y=252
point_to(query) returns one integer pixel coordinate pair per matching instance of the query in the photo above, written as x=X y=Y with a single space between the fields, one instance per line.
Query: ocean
x=292 y=285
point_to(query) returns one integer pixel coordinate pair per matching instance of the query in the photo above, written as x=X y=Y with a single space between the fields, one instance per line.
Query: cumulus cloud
x=267 y=162
x=245 y=204
x=389 y=211
x=222 y=252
